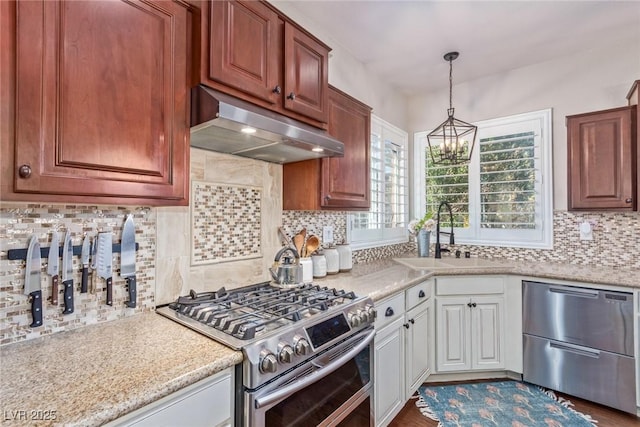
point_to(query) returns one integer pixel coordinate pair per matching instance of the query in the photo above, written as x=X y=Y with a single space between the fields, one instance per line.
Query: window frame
x=474 y=234
x=371 y=238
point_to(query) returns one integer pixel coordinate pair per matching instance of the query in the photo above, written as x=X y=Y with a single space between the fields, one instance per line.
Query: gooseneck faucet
x=451 y=239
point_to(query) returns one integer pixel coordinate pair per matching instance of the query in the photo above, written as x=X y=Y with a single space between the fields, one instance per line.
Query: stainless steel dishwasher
x=579 y=341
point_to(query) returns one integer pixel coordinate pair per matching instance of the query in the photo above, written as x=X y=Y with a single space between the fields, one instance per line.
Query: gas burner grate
x=245 y=312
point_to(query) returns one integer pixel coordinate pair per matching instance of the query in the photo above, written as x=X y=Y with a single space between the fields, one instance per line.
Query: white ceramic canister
x=319 y=265
x=333 y=260
x=344 y=252
x=307 y=270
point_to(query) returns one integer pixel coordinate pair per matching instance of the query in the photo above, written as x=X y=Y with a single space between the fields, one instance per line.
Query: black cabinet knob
x=24 y=171
x=277 y=90
x=291 y=96
x=474 y=305
x=406 y=325
x=389 y=312
x=412 y=321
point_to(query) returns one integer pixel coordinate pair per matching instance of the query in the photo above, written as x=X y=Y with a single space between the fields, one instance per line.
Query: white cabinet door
x=487 y=335
x=389 y=372
x=453 y=341
x=418 y=345
x=206 y=403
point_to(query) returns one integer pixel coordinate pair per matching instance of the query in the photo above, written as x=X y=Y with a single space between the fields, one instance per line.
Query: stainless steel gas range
x=308 y=351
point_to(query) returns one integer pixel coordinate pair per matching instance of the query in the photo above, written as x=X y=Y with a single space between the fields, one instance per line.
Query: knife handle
x=85 y=280
x=131 y=283
x=68 y=297
x=109 y=291
x=54 y=290
x=36 y=308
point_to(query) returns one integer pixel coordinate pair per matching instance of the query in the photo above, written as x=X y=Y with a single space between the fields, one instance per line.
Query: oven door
x=333 y=389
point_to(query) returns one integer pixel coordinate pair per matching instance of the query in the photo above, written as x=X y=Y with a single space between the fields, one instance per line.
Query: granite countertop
x=382 y=278
x=95 y=374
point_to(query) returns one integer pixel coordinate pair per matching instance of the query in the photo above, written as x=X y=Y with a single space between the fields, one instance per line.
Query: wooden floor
x=410 y=415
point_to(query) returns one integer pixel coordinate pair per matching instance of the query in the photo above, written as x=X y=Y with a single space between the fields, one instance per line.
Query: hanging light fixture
x=451 y=143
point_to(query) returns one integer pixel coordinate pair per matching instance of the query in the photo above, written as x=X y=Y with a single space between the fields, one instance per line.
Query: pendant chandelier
x=451 y=143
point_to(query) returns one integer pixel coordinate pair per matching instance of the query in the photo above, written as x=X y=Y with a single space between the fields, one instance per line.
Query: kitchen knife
x=53 y=267
x=128 y=259
x=67 y=274
x=93 y=263
x=32 y=285
x=104 y=262
x=84 y=258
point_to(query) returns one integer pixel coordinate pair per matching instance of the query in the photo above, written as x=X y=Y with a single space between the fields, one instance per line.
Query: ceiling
x=403 y=42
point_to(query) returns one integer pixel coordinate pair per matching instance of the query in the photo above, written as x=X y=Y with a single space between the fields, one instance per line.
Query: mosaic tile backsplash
x=18 y=222
x=225 y=223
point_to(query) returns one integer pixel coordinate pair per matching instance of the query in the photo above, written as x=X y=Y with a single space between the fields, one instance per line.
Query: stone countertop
x=96 y=374
x=382 y=278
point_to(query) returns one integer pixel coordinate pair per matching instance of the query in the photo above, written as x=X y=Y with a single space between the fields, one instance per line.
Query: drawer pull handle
x=581 y=351
x=421 y=294
x=389 y=312
x=575 y=292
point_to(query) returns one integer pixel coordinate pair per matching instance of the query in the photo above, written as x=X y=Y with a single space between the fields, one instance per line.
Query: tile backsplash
x=19 y=221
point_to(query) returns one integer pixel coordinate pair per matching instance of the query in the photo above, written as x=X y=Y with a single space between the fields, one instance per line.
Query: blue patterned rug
x=498 y=404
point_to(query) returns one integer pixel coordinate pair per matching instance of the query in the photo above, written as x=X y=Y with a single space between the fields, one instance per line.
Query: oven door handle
x=314 y=376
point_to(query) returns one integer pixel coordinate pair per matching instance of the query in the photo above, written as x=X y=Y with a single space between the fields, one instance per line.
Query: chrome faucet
x=451 y=239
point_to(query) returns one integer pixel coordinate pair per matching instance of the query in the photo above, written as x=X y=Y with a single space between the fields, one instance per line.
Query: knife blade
x=67 y=274
x=32 y=285
x=93 y=263
x=53 y=267
x=104 y=262
x=128 y=259
x=84 y=258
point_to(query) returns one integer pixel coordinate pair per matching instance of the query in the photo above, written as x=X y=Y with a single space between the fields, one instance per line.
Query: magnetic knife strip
x=13 y=254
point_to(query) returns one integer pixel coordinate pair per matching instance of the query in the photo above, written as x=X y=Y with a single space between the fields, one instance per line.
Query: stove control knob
x=355 y=319
x=302 y=347
x=285 y=355
x=268 y=362
x=370 y=313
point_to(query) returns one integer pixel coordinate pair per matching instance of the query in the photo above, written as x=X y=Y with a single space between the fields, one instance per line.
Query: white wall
x=350 y=75
x=587 y=81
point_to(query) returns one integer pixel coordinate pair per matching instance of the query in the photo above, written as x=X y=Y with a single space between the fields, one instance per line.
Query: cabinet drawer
x=389 y=310
x=472 y=285
x=418 y=293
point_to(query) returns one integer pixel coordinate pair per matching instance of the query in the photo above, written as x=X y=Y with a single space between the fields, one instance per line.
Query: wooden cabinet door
x=487 y=333
x=101 y=100
x=243 y=48
x=305 y=74
x=345 y=180
x=453 y=340
x=600 y=150
x=388 y=373
x=418 y=346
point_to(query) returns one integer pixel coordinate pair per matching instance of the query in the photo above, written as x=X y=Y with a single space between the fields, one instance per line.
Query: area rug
x=501 y=403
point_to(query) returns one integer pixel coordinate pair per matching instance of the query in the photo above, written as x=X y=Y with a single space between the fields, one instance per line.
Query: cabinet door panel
x=306 y=74
x=99 y=110
x=600 y=160
x=418 y=347
x=389 y=372
x=487 y=334
x=346 y=180
x=453 y=340
x=244 y=47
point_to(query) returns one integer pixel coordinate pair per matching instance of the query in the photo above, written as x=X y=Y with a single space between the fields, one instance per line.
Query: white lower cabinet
x=402 y=349
x=208 y=402
x=470 y=324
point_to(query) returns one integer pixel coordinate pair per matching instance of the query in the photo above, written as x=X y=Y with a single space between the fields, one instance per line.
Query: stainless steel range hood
x=219 y=123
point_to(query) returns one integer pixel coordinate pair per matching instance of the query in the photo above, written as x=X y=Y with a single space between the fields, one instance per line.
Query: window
x=503 y=197
x=385 y=223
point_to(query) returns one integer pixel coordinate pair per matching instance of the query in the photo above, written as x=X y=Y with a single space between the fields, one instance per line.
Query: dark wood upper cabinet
x=341 y=183
x=601 y=163
x=100 y=95
x=250 y=50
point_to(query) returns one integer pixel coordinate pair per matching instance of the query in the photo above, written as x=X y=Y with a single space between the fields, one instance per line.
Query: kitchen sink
x=448 y=263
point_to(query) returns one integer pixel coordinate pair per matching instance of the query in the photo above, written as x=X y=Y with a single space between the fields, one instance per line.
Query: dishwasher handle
x=581 y=293
x=576 y=349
